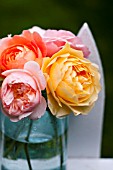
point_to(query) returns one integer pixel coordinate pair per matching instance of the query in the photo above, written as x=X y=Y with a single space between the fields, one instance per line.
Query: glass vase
x=33 y=144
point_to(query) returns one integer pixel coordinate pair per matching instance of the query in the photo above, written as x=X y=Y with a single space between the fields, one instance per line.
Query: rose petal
x=14 y=119
x=34 y=68
x=66 y=92
x=24 y=115
x=4 y=43
x=51 y=48
x=41 y=44
x=56 y=110
x=37 y=29
x=18 y=76
x=7 y=72
x=39 y=110
x=8 y=98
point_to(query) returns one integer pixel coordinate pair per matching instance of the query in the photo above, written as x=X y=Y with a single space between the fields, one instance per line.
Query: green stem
x=61 y=153
x=14 y=141
x=29 y=131
x=27 y=156
x=61 y=139
x=62 y=142
x=54 y=122
x=9 y=149
x=26 y=144
x=20 y=146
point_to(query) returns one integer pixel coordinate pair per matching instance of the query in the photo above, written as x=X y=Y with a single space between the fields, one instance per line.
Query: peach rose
x=55 y=40
x=72 y=82
x=17 y=50
x=21 y=92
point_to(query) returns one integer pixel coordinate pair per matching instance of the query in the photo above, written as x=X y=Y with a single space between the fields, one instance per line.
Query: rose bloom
x=72 y=82
x=21 y=92
x=17 y=50
x=55 y=40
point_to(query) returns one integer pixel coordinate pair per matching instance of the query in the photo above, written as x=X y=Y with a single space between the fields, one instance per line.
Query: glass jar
x=33 y=144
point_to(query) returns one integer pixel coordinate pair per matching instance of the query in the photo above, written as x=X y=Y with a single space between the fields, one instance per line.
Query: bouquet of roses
x=46 y=68
x=43 y=71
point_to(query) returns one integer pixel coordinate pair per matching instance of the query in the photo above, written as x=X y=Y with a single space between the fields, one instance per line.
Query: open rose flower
x=17 y=50
x=72 y=82
x=55 y=40
x=21 y=92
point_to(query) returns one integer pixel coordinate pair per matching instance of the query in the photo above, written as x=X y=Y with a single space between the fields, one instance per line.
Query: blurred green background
x=70 y=15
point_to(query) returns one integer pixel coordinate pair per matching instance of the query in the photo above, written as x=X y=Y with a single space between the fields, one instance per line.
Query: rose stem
x=61 y=151
x=27 y=155
x=12 y=145
x=54 y=122
x=29 y=130
x=26 y=145
x=62 y=142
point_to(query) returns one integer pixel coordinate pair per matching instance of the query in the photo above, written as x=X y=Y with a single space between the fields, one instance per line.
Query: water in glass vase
x=34 y=145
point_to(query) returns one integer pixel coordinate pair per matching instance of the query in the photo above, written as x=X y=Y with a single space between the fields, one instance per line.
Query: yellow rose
x=72 y=82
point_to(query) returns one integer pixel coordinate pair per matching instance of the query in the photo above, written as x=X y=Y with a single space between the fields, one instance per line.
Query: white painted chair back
x=85 y=132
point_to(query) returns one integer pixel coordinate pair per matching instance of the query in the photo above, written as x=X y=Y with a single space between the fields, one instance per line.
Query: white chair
x=85 y=132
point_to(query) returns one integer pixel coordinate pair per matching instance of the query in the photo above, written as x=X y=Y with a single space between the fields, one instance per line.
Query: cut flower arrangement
x=45 y=70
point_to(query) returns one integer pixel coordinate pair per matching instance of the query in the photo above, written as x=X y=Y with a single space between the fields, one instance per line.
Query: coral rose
x=72 y=82
x=17 y=50
x=21 y=92
x=55 y=40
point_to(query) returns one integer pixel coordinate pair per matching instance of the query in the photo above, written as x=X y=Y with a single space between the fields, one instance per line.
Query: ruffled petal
x=39 y=110
x=56 y=110
x=34 y=69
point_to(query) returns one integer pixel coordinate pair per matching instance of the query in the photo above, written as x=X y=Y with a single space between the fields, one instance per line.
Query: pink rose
x=21 y=92
x=55 y=40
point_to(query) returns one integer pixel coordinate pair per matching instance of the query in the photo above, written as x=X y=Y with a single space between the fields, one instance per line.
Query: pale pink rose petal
x=60 y=43
x=34 y=102
x=14 y=119
x=39 y=110
x=34 y=68
x=51 y=48
x=50 y=33
x=18 y=76
x=14 y=109
x=66 y=34
x=58 y=34
x=7 y=72
x=24 y=115
x=59 y=38
x=78 y=45
x=34 y=97
x=37 y=29
x=8 y=98
x=37 y=98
